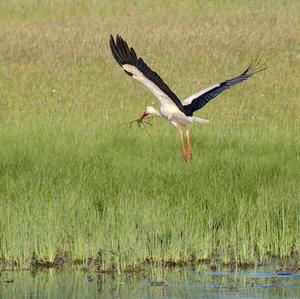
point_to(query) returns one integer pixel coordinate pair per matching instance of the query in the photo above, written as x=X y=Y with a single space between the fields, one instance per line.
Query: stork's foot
x=185 y=156
x=190 y=154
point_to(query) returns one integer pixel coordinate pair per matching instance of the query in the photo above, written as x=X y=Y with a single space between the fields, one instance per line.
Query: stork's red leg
x=189 y=144
x=184 y=153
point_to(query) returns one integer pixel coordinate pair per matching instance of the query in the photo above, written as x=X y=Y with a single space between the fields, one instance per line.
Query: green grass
x=75 y=179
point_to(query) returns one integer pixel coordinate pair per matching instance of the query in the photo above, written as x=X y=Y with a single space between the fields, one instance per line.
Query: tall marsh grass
x=75 y=180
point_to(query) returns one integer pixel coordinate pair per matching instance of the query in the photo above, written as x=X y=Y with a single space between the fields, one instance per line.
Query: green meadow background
x=77 y=184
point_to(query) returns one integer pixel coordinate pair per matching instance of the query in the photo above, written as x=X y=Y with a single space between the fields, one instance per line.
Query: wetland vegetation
x=77 y=185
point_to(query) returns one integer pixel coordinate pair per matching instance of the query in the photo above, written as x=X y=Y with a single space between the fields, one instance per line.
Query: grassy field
x=77 y=182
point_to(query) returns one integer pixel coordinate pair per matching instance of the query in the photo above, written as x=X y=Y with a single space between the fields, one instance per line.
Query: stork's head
x=151 y=110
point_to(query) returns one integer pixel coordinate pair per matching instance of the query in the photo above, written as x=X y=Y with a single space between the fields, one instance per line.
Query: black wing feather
x=125 y=55
x=203 y=99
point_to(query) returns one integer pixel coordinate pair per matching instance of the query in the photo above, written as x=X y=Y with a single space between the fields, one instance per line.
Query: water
x=177 y=283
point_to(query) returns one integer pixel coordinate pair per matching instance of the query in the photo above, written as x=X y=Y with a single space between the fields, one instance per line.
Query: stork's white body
x=176 y=117
x=168 y=109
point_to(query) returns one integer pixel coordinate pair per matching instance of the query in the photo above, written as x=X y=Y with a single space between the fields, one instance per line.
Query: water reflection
x=179 y=283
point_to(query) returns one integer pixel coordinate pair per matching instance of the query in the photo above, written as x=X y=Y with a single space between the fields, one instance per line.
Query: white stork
x=179 y=113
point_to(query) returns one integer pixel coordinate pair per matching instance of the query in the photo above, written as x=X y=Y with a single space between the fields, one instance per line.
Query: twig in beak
x=140 y=122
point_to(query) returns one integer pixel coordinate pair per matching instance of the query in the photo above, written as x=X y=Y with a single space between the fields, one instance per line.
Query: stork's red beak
x=143 y=116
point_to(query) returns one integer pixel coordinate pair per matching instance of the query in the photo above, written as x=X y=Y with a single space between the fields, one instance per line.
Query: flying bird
x=179 y=113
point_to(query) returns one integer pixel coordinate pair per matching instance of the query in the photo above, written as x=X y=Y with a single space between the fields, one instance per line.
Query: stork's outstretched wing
x=138 y=69
x=198 y=100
